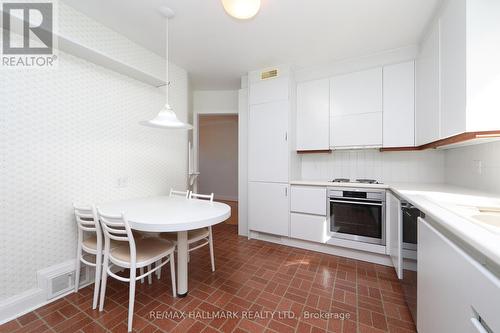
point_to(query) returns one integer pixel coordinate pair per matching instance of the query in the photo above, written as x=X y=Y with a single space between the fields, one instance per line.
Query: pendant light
x=241 y=9
x=167 y=118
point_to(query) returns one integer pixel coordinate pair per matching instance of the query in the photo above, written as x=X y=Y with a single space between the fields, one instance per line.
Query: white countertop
x=450 y=206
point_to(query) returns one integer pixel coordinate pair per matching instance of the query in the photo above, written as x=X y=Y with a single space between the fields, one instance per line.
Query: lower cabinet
x=455 y=292
x=394 y=233
x=269 y=208
x=312 y=228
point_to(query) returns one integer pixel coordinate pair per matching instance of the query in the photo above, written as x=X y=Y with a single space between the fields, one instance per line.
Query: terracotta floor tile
x=251 y=276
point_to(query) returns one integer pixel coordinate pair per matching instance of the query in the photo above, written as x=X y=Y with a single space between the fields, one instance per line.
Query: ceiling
x=217 y=50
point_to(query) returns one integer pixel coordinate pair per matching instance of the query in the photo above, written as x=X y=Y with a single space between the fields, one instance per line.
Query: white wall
x=463 y=164
x=211 y=102
x=218 y=156
x=67 y=135
x=425 y=166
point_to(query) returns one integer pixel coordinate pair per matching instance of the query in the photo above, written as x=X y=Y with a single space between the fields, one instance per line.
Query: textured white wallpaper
x=425 y=166
x=67 y=135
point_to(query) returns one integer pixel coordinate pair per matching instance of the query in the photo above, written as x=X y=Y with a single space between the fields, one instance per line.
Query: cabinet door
x=268 y=208
x=428 y=106
x=399 y=105
x=356 y=93
x=313 y=115
x=309 y=227
x=395 y=233
x=443 y=304
x=268 y=150
x=358 y=130
x=270 y=90
x=453 y=51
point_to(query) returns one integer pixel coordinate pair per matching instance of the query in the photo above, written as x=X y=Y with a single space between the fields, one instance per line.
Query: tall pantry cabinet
x=271 y=156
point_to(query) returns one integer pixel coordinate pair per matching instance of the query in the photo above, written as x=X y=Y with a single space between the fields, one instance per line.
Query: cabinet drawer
x=312 y=228
x=309 y=200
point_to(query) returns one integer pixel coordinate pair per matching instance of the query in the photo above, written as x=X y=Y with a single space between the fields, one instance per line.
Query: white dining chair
x=89 y=242
x=176 y=193
x=132 y=254
x=203 y=235
x=173 y=193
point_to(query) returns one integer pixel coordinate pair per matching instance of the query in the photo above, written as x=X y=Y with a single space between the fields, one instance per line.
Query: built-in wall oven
x=357 y=214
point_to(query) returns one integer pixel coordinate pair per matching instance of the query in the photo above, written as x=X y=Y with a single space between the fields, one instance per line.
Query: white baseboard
x=17 y=305
x=376 y=258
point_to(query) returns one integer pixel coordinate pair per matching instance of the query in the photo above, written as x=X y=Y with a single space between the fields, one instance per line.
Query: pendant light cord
x=167 y=64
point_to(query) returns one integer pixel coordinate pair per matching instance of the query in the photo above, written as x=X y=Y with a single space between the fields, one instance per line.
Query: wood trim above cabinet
x=452 y=140
x=318 y=151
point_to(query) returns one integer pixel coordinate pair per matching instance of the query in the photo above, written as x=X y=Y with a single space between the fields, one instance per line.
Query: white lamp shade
x=241 y=9
x=166 y=118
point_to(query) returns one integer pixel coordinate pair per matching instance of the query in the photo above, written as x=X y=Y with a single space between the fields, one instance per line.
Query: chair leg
x=211 y=246
x=104 y=281
x=131 y=299
x=78 y=266
x=158 y=272
x=150 y=276
x=97 y=282
x=172 y=274
x=141 y=271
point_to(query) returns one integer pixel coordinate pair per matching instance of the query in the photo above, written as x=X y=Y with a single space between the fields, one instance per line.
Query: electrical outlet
x=122 y=182
x=478 y=167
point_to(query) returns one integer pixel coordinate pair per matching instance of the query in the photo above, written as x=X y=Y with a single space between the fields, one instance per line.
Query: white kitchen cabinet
x=458 y=71
x=399 y=105
x=308 y=200
x=356 y=109
x=453 y=68
x=269 y=208
x=312 y=228
x=357 y=93
x=268 y=149
x=269 y=90
x=394 y=232
x=454 y=290
x=427 y=90
x=313 y=115
x=358 y=130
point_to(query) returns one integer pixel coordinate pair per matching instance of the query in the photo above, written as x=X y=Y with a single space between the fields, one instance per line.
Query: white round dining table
x=170 y=214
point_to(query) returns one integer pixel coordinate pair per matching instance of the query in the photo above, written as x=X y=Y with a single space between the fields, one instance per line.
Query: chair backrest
x=209 y=197
x=86 y=218
x=87 y=221
x=116 y=227
x=184 y=194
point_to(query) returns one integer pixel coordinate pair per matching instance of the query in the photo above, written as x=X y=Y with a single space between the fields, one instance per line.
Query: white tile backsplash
x=462 y=166
x=425 y=166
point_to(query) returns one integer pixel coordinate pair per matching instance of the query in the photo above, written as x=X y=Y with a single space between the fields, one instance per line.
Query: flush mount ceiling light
x=167 y=118
x=241 y=9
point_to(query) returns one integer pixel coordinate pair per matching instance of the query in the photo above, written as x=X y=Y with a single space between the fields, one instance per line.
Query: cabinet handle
x=286 y=136
x=286 y=191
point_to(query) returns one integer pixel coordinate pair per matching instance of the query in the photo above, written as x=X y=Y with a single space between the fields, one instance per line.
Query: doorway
x=218 y=159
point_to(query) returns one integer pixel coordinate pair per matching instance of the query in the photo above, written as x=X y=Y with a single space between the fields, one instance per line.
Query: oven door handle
x=357 y=202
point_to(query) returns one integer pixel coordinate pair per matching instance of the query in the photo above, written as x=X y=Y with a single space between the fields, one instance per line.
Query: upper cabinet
x=356 y=109
x=458 y=72
x=313 y=115
x=453 y=65
x=269 y=90
x=427 y=90
x=399 y=105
